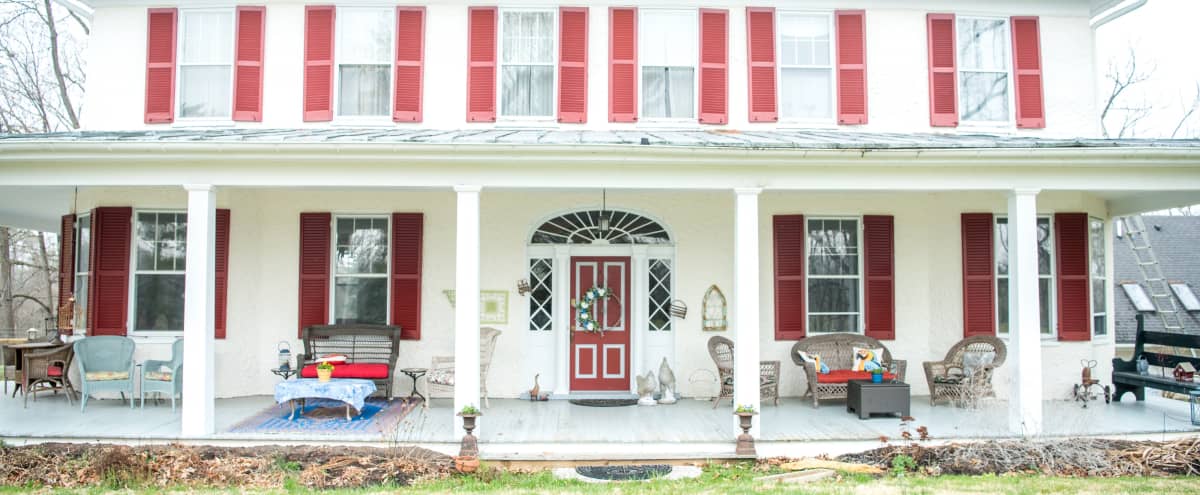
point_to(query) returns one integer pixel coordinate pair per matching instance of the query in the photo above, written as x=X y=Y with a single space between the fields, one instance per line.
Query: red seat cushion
x=54 y=371
x=843 y=376
x=374 y=371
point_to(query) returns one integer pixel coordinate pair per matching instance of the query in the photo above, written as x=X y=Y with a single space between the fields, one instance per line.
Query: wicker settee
x=837 y=352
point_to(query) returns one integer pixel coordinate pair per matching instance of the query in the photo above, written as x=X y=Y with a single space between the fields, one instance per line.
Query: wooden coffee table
x=866 y=398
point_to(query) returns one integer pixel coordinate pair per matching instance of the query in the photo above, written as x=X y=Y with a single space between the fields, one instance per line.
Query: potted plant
x=324 y=371
x=877 y=375
x=745 y=442
x=470 y=445
x=466 y=463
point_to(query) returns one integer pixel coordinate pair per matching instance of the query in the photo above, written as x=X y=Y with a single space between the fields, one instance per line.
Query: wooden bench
x=371 y=352
x=1125 y=375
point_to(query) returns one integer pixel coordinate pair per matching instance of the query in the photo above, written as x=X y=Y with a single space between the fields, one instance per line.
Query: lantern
x=285 y=355
x=32 y=334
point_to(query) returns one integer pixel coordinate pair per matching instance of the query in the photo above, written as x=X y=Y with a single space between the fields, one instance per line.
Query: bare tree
x=1124 y=76
x=41 y=71
x=7 y=311
x=1188 y=111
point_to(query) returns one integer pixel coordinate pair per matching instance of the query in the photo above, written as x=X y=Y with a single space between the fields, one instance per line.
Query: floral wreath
x=585 y=319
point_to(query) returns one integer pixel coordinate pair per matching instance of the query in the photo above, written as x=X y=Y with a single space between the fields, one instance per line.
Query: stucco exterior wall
x=897 y=71
x=262 y=307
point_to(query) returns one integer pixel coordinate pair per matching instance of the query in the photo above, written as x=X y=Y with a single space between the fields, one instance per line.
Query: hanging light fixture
x=604 y=220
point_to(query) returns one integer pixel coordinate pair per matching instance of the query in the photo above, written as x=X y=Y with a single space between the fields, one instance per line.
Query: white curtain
x=668 y=92
x=364 y=58
x=206 y=64
x=527 y=65
x=806 y=70
x=668 y=52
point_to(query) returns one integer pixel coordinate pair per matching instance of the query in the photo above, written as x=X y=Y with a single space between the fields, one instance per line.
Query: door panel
x=598 y=362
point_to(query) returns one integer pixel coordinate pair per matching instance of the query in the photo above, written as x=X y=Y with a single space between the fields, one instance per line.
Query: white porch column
x=639 y=324
x=466 y=307
x=745 y=304
x=1025 y=345
x=198 y=313
x=562 y=320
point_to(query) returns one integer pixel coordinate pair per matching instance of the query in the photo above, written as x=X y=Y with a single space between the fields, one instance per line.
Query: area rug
x=604 y=402
x=328 y=417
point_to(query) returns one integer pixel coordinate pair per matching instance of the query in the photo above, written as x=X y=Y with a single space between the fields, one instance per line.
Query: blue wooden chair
x=164 y=376
x=105 y=365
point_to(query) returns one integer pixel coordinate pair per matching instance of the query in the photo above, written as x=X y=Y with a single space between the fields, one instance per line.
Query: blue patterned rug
x=323 y=416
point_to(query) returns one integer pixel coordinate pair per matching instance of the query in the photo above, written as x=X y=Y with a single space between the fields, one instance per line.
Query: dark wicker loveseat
x=371 y=352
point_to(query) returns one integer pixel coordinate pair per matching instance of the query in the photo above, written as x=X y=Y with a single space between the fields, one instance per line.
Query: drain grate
x=624 y=473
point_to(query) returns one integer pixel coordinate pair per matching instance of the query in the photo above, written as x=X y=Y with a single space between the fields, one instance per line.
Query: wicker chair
x=949 y=380
x=721 y=350
x=47 y=369
x=441 y=373
x=837 y=351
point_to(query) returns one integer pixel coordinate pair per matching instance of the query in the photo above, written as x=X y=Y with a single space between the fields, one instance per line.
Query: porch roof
x=781 y=139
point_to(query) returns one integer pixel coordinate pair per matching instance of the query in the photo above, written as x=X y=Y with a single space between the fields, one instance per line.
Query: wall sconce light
x=523 y=287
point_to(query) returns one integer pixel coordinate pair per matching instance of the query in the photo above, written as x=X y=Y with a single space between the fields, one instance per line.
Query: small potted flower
x=877 y=375
x=745 y=442
x=324 y=371
x=470 y=444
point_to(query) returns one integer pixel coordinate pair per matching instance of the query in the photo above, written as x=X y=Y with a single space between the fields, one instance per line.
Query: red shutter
x=108 y=289
x=407 y=240
x=760 y=54
x=572 y=64
x=1071 y=262
x=318 y=63
x=1027 y=65
x=622 y=64
x=943 y=79
x=481 y=65
x=66 y=266
x=160 y=66
x=852 y=66
x=879 y=276
x=314 y=269
x=410 y=64
x=221 y=281
x=248 y=71
x=714 y=66
x=979 y=275
x=789 y=276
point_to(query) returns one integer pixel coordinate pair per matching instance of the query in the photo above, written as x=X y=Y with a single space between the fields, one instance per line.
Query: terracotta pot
x=466 y=463
x=324 y=375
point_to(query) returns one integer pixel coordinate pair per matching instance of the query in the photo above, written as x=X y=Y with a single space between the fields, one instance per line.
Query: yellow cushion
x=100 y=376
x=160 y=376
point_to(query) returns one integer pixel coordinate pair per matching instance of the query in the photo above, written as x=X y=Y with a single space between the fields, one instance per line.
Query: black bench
x=1126 y=378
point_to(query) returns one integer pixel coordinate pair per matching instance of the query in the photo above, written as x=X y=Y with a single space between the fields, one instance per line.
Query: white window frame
x=862 y=312
x=832 y=67
x=1008 y=60
x=331 y=316
x=1102 y=278
x=641 y=29
x=530 y=260
x=554 y=36
x=1052 y=277
x=338 y=58
x=134 y=272
x=81 y=254
x=179 y=63
x=670 y=280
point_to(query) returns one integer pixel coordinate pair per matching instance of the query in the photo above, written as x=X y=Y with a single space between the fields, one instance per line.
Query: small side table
x=285 y=372
x=416 y=374
x=866 y=398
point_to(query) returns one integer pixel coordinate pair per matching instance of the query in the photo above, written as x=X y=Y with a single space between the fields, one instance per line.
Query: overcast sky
x=1166 y=37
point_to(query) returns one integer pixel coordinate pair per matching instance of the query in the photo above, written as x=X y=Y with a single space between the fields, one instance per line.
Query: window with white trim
x=205 y=64
x=660 y=295
x=160 y=255
x=1045 y=249
x=984 y=66
x=83 y=248
x=527 y=63
x=541 y=294
x=668 y=54
x=834 y=267
x=1098 y=268
x=360 y=269
x=365 y=55
x=806 y=89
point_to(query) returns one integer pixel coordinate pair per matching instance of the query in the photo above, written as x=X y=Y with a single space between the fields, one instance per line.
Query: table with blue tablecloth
x=352 y=391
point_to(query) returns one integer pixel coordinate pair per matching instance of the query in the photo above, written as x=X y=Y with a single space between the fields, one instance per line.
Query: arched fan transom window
x=584 y=227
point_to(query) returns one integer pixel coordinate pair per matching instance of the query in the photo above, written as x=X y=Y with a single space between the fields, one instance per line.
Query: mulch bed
x=118 y=466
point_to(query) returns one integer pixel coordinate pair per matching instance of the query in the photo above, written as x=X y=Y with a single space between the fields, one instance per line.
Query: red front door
x=601 y=362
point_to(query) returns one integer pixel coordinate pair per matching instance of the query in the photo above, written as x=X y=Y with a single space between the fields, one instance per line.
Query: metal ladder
x=1157 y=285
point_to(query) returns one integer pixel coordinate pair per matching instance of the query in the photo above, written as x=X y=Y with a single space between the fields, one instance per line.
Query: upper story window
x=160 y=255
x=527 y=62
x=205 y=64
x=984 y=62
x=668 y=55
x=806 y=89
x=364 y=61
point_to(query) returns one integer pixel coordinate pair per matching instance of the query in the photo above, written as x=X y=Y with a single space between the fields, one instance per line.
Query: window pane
x=147 y=240
x=1002 y=304
x=660 y=295
x=833 y=247
x=1099 y=296
x=832 y=295
x=528 y=38
x=84 y=246
x=1100 y=325
x=364 y=36
x=833 y=323
x=206 y=38
x=983 y=44
x=172 y=236
x=527 y=91
x=668 y=38
x=1001 y=246
x=204 y=90
x=806 y=93
x=364 y=90
x=159 y=302
x=1044 y=308
x=360 y=300
x=1045 y=247
x=1097 y=247
x=668 y=92
x=81 y=297
x=803 y=39
x=541 y=294
x=984 y=96
x=362 y=246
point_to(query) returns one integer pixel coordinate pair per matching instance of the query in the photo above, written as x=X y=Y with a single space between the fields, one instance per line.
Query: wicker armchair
x=948 y=379
x=837 y=351
x=47 y=369
x=441 y=373
x=721 y=350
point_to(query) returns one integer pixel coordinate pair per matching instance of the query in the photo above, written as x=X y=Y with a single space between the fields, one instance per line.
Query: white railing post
x=198 y=408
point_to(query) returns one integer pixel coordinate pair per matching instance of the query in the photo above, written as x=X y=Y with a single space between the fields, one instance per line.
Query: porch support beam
x=745 y=314
x=638 y=284
x=199 y=313
x=466 y=308
x=562 y=320
x=1025 y=399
